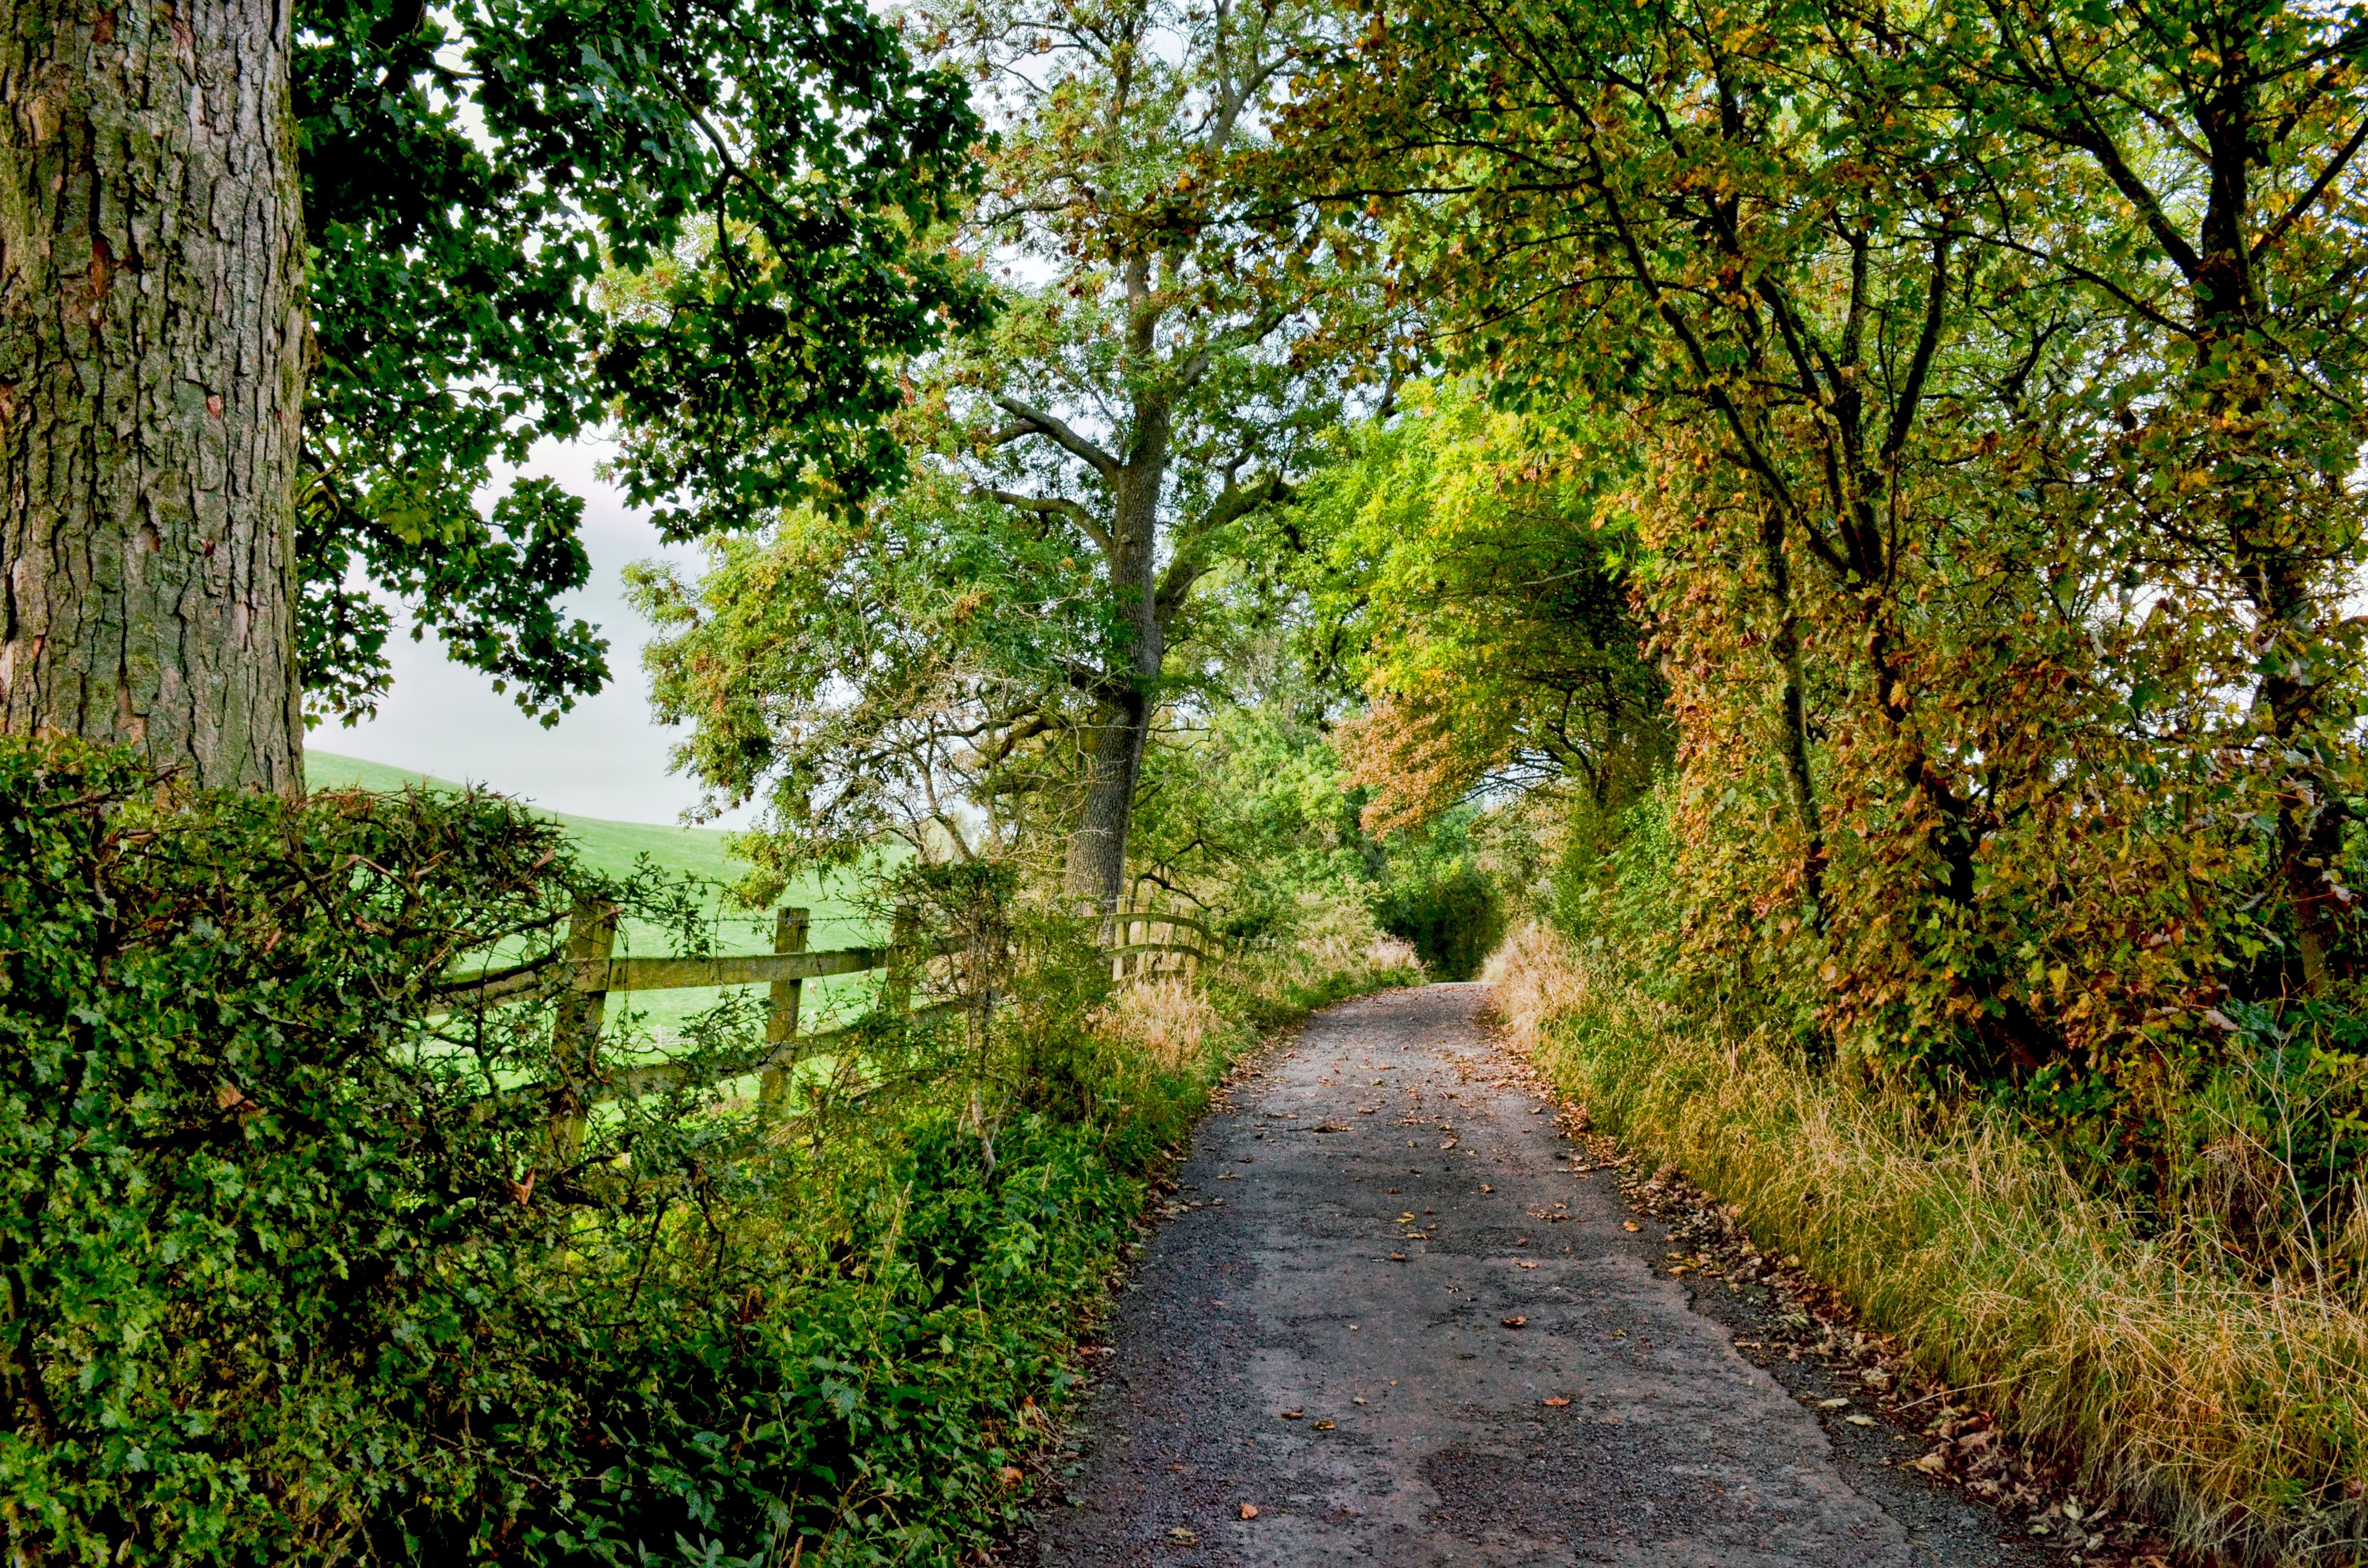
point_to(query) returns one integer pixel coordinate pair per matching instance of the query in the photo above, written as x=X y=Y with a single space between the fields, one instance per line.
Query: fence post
x=575 y=1022
x=904 y=935
x=782 y=1023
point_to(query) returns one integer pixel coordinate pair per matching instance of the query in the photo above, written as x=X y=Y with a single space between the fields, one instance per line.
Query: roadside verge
x=2231 y=1415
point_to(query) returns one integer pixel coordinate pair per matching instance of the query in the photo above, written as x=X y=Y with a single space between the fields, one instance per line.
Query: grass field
x=616 y=847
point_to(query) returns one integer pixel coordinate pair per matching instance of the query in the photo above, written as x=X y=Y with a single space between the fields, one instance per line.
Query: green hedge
x=295 y=1274
x=1448 y=909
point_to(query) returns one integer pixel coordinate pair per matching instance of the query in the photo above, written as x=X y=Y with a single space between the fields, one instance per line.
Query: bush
x=299 y=1269
x=1447 y=911
x=297 y=1273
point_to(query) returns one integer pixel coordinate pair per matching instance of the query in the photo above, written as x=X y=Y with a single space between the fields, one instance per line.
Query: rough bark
x=1096 y=869
x=152 y=334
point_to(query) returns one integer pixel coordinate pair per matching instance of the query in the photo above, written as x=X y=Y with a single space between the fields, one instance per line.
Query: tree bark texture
x=1096 y=869
x=152 y=342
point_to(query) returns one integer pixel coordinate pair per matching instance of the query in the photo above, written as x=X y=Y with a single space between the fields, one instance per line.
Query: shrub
x=298 y=1267
x=298 y=1273
x=1447 y=911
x=263 y=1248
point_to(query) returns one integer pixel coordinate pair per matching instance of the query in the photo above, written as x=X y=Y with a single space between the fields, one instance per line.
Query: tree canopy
x=1469 y=573
x=758 y=177
x=1159 y=373
x=1993 y=379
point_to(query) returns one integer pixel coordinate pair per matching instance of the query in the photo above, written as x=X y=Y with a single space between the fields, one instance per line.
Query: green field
x=616 y=847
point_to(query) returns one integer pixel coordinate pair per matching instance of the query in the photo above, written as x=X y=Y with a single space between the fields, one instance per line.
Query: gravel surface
x=1385 y=1315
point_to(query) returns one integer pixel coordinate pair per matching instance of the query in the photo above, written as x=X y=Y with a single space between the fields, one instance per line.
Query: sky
x=606 y=758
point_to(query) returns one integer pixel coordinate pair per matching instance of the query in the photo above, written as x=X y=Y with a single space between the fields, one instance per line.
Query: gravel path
x=1385 y=1315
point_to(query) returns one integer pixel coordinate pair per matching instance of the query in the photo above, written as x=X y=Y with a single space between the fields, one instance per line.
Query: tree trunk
x=1096 y=870
x=1795 y=740
x=151 y=335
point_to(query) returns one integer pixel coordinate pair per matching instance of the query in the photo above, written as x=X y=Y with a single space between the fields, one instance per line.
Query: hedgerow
x=300 y=1267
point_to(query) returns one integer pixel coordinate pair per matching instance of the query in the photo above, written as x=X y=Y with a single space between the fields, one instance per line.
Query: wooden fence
x=595 y=971
x=1128 y=938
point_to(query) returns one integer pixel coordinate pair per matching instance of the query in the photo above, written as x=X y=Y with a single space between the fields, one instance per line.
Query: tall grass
x=2233 y=1411
x=1177 y=1021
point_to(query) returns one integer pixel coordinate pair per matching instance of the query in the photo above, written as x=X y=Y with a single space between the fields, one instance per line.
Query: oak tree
x=1154 y=380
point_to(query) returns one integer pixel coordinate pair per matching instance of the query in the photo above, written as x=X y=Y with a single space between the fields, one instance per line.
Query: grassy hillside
x=615 y=847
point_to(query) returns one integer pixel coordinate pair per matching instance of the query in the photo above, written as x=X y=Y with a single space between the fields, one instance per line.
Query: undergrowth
x=297 y=1267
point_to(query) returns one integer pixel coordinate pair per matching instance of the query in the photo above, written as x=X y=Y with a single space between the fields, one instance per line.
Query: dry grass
x=2234 y=1414
x=1167 y=1017
x=1334 y=947
x=1187 y=1023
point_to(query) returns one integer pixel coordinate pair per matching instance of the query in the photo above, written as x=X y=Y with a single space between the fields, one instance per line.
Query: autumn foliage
x=1982 y=395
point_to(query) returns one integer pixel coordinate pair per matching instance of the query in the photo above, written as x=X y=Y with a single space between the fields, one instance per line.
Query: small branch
x=2302 y=203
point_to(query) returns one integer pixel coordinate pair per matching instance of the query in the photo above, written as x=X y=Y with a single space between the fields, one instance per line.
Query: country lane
x=1386 y=1313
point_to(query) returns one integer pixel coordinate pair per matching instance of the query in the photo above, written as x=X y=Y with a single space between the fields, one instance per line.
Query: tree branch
x=2302 y=203
x=1056 y=506
x=1052 y=428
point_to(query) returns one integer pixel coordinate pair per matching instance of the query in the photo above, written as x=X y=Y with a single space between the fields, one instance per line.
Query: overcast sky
x=605 y=759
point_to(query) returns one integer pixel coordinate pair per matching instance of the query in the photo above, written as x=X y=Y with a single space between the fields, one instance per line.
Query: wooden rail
x=1117 y=941
x=591 y=970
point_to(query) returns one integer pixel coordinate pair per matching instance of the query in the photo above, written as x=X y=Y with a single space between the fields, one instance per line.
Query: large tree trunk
x=151 y=335
x=1096 y=869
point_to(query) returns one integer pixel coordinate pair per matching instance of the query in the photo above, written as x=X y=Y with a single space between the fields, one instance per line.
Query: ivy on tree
x=762 y=169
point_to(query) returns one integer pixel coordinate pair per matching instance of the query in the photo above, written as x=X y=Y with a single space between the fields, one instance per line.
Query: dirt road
x=1386 y=1314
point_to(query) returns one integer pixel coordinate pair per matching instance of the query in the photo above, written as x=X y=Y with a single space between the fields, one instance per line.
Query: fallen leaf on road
x=1859 y=1420
x=1485 y=1187
x=1293 y=1415
x=1556 y=1403
x=1833 y=1404
x=1249 y=1510
x=1397 y=1258
x=1323 y=1425
x=1182 y=1536
x=1934 y=1463
x=1513 y=1322
x=1629 y=1225
x=1525 y=1263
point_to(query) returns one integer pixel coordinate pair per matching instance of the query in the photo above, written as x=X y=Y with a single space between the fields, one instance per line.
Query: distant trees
x=225 y=460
